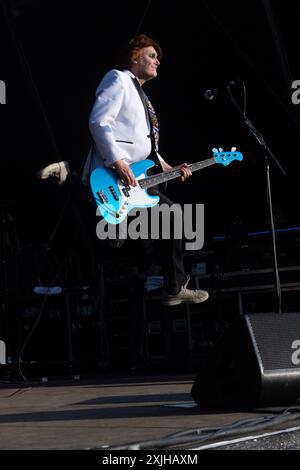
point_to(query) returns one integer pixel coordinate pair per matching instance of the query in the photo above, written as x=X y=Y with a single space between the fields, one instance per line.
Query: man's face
x=147 y=63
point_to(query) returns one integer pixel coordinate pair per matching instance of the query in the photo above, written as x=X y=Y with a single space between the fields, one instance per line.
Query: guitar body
x=115 y=200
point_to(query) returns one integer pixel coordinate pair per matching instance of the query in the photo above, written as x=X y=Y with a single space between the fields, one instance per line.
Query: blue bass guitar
x=115 y=200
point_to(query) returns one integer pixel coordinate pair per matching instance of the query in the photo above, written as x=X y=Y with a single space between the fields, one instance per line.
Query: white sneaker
x=185 y=296
x=58 y=172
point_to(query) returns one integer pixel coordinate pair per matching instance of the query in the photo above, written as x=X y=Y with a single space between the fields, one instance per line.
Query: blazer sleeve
x=109 y=99
x=162 y=161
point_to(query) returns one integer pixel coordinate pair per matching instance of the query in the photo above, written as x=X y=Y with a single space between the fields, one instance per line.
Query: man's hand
x=186 y=172
x=125 y=173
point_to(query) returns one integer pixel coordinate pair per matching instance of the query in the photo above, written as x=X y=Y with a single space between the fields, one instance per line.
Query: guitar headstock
x=225 y=158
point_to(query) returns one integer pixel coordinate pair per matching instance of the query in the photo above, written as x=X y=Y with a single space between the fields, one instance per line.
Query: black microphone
x=211 y=94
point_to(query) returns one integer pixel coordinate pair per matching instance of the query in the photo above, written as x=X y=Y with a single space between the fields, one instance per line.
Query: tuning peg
x=221 y=150
x=233 y=149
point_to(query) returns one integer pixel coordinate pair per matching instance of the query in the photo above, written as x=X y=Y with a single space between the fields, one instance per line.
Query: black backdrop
x=67 y=47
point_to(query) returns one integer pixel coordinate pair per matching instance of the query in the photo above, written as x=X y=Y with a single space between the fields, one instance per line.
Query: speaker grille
x=276 y=337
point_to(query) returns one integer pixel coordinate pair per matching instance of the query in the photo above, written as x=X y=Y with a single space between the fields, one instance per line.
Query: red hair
x=135 y=45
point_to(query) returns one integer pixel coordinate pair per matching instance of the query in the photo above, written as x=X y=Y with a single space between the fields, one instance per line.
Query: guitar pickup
x=125 y=191
x=102 y=196
x=114 y=194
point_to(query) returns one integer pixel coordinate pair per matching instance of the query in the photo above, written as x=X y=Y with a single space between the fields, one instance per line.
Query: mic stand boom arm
x=268 y=155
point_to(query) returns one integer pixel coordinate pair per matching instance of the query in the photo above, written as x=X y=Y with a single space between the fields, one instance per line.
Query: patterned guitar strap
x=154 y=123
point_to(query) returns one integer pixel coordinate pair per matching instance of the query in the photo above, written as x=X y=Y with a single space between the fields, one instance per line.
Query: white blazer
x=117 y=123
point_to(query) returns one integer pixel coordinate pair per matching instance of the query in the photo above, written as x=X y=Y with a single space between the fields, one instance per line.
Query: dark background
x=54 y=54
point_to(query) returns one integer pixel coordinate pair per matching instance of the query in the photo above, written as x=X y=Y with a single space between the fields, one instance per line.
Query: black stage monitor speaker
x=256 y=362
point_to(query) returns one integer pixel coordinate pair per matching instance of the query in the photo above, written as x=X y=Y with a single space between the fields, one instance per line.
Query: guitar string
x=170 y=174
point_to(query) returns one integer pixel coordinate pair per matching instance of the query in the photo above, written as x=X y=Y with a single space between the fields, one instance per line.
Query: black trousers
x=166 y=252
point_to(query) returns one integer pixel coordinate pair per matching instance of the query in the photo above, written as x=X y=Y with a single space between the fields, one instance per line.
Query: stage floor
x=109 y=410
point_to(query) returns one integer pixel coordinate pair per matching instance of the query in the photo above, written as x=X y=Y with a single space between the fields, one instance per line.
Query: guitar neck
x=174 y=173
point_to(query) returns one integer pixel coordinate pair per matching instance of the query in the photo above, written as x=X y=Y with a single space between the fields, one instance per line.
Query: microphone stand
x=268 y=156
